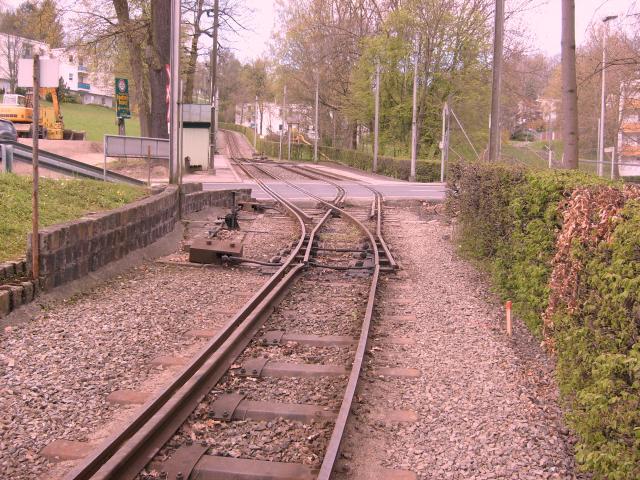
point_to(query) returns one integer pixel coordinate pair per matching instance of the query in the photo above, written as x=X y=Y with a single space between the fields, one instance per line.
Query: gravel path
x=487 y=406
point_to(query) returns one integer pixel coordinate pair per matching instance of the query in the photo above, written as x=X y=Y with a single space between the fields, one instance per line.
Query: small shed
x=196 y=122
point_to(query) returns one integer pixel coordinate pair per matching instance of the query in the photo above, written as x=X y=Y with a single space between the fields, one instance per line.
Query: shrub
x=509 y=218
x=598 y=345
x=573 y=239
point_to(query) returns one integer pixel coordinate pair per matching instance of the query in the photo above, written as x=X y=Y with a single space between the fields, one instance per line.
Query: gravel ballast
x=57 y=370
x=487 y=405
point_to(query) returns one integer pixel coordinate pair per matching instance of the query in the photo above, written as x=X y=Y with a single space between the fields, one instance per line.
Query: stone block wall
x=72 y=250
x=15 y=286
x=194 y=199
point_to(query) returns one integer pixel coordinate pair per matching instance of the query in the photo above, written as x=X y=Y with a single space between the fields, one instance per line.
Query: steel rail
x=377 y=205
x=126 y=452
x=294 y=168
x=333 y=448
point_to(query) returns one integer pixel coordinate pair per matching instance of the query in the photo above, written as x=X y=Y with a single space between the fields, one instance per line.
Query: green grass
x=95 y=120
x=60 y=201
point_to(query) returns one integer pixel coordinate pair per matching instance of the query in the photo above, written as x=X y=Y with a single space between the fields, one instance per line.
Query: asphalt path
x=391 y=191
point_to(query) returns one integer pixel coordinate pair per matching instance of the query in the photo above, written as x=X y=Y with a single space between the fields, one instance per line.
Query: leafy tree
x=35 y=20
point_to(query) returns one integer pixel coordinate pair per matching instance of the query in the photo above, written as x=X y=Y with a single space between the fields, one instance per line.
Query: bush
x=574 y=239
x=598 y=345
x=509 y=218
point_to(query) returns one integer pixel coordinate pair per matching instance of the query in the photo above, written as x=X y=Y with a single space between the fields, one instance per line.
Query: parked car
x=8 y=131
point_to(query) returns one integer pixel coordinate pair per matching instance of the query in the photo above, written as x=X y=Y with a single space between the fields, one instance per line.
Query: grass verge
x=60 y=201
x=96 y=120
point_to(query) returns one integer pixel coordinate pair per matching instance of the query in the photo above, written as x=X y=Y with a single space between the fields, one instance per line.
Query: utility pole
x=569 y=86
x=603 y=106
x=289 y=147
x=175 y=90
x=444 y=143
x=376 y=120
x=284 y=116
x=316 y=126
x=414 y=119
x=255 y=136
x=212 y=92
x=496 y=85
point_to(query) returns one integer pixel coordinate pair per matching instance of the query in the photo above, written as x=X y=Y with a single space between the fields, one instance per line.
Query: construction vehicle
x=19 y=110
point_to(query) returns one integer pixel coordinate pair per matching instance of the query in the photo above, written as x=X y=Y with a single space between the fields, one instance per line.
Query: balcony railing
x=84 y=86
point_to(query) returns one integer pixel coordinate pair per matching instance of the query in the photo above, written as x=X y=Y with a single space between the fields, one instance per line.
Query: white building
x=12 y=48
x=299 y=117
x=629 y=132
x=91 y=87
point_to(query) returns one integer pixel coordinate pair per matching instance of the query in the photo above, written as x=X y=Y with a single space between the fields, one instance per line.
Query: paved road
x=391 y=191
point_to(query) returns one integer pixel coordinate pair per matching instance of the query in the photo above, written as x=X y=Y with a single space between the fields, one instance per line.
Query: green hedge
x=598 y=346
x=510 y=219
x=426 y=170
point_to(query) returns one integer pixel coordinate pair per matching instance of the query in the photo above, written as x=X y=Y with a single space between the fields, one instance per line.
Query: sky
x=542 y=22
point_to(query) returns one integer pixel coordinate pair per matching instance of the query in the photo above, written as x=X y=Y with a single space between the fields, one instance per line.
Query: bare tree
x=10 y=49
x=569 y=87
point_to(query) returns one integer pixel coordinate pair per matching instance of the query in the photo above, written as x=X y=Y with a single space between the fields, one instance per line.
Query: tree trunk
x=160 y=57
x=193 y=54
x=569 y=87
x=135 y=62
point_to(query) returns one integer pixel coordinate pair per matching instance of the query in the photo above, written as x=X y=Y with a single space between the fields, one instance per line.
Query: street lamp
x=601 y=145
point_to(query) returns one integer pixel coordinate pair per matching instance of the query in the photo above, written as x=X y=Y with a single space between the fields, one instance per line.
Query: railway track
x=329 y=278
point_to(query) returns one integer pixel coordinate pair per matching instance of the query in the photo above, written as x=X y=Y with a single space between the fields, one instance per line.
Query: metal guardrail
x=6 y=157
x=119 y=146
x=136 y=147
x=68 y=166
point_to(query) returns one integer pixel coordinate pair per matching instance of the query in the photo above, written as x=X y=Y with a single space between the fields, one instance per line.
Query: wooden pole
x=317 y=119
x=284 y=115
x=496 y=85
x=214 y=83
x=414 y=117
x=35 y=240
x=509 y=325
x=376 y=120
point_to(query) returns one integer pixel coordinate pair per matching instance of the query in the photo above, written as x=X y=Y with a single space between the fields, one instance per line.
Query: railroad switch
x=205 y=250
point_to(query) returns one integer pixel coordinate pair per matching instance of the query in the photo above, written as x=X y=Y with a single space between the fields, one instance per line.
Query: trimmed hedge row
x=512 y=220
x=426 y=171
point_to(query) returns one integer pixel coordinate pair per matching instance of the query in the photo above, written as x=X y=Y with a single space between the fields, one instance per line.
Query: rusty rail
x=126 y=452
x=333 y=447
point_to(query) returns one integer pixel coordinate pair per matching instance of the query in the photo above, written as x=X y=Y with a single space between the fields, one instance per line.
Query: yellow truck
x=18 y=109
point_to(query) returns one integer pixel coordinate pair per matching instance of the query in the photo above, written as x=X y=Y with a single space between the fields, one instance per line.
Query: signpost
x=123 y=110
x=35 y=74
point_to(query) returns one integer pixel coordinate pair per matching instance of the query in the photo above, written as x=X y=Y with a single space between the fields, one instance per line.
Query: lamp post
x=603 y=106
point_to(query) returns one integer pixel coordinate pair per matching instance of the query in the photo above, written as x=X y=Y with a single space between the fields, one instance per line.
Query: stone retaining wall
x=71 y=250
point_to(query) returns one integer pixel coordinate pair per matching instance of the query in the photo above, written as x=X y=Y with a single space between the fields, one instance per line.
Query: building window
x=70 y=58
x=71 y=77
